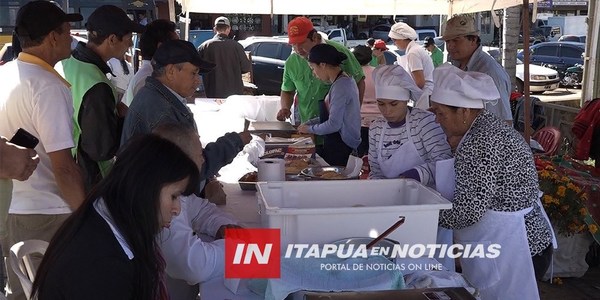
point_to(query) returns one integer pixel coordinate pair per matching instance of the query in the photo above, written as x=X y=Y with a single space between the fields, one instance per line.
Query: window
x=286 y=50
x=571 y=52
x=381 y=28
x=334 y=34
x=270 y=50
x=546 y=51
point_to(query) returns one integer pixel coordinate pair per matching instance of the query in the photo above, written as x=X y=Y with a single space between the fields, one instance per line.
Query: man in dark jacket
x=97 y=123
x=177 y=67
x=231 y=60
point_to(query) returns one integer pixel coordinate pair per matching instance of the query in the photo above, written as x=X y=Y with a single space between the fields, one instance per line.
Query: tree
x=510 y=39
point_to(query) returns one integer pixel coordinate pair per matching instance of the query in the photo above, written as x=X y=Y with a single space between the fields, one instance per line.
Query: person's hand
x=283 y=114
x=16 y=162
x=246 y=137
x=213 y=191
x=303 y=128
x=221 y=232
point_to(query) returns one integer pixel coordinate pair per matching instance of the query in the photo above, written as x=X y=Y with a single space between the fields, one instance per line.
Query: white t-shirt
x=137 y=82
x=415 y=59
x=38 y=101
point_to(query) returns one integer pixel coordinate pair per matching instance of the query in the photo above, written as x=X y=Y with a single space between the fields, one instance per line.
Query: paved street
x=560 y=94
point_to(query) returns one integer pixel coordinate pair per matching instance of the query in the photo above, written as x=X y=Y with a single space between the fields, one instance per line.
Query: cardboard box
x=289 y=147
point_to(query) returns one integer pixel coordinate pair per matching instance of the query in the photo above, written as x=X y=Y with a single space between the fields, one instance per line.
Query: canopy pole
x=187 y=25
x=525 y=24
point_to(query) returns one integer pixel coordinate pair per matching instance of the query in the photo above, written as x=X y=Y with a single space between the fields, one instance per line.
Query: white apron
x=511 y=274
x=403 y=159
x=445 y=182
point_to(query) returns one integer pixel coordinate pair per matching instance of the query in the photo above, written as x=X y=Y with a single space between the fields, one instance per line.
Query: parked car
x=268 y=59
x=558 y=55
x=541 y=79
x=392 y=54
x=572 y=38
x=381 y=32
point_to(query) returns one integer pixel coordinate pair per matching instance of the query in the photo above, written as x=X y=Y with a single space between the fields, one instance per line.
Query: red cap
x=380 y=45
x=298 y=30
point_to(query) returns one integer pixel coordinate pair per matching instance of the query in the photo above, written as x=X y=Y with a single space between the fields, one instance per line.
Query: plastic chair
x=549 y=138
x=21 y=263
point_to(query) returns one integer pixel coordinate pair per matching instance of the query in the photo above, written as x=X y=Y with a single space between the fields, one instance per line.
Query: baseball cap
x=109 y=19
x=363 y=54
x=180 y=51
x=222 y=21
x=380 y=45
x=298 y=29
x=428 y=41
x=460 y=25
x=370 y=42
x=37 y=18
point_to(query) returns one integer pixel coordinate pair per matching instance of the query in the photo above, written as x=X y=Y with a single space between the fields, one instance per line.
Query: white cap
x=401 y=31
x=455 y=87
x=394 y=83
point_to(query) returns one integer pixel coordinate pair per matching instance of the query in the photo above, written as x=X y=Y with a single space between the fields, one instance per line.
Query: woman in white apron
x=496 y=188
x=406 y=141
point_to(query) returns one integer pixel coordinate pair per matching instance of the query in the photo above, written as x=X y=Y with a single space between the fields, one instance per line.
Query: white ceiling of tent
x=346 y=7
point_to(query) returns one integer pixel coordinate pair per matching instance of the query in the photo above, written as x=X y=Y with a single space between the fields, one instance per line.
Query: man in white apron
x=488 y=210
x=407 y=141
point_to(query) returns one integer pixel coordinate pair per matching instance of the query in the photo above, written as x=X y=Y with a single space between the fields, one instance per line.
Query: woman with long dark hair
x=107 y=249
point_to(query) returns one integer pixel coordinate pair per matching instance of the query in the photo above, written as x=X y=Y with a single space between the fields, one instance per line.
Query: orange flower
x=557 y=280
x=593 y=228
x=547 y=199
x=583 y=211
x=561 y=191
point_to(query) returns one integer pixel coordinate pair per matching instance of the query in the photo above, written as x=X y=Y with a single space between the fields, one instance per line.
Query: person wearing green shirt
x=436 y=54
x=298 y=78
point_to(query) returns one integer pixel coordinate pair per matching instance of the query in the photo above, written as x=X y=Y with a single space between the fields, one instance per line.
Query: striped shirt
x=426 y=134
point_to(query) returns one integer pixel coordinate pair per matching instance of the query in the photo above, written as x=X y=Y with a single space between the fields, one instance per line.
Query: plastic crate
x=327 y=211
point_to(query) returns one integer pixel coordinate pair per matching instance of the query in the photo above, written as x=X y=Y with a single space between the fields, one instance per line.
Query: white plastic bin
x=326 y=211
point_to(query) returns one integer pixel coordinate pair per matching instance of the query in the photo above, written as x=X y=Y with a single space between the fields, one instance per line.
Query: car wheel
x=520 y=86
x=362 y=36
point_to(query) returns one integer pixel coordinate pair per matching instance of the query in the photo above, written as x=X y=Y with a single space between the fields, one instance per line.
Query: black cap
x=325 y=53
x=363 y=54
x=370 y=42
x=428 y=41
x=37 y=18
x=180 y=51
x=109 y=19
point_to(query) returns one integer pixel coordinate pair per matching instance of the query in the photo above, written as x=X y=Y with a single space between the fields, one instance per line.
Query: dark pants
x=334 y=151
x=542 y=261
x=363 y=148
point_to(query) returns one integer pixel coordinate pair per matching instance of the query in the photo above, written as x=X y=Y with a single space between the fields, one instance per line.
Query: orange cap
x=298 y=30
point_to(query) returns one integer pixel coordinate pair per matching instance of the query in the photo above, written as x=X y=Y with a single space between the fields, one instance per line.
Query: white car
x=541 y=79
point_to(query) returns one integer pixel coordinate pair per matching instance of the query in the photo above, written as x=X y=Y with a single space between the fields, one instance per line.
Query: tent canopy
x=349 y=7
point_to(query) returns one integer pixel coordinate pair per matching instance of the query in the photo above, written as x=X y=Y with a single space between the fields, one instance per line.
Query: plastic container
x=327 y=211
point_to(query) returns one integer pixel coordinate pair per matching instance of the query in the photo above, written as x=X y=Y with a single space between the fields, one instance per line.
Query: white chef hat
x=401 y=31
x=393 y=82
x=455 y=87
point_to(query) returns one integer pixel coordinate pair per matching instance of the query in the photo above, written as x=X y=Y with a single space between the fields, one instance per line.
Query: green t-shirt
x=437 y=56
x=373 y=62
x=297 y=76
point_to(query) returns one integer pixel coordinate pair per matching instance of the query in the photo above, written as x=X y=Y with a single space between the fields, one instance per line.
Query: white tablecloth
x=214 y=117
